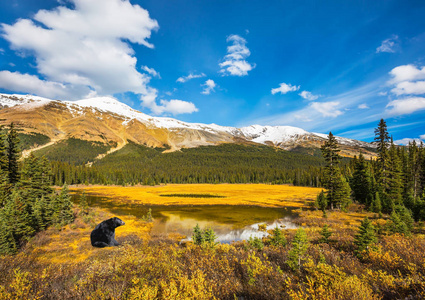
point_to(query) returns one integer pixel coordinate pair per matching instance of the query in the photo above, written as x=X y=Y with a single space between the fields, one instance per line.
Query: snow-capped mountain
x=105 y=119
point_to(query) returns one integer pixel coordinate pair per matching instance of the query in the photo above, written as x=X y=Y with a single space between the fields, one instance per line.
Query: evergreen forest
x=28 y=204
x=227 y=163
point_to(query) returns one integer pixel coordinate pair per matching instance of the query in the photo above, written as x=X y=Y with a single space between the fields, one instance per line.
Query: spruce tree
x=197 y=236
x=4 y=175
x=62 y=208
x=394 y=179
x=382 y=172
x=4 y=188
x=299 y=245
x=414 y=168
x=342 y=192
x=361 y=181
x=20 y=215
x=7 y=241
x=366 y=238
x=84 y=206
x=321 y=201
x=396 y=225
x=421 y=171
x=338 y=191
x=40 y=213
x=67 y=214
x=325 y=233
x=376 y=205
x=13 y=154
x=209 y=236
x=3 y=151
x=277 y=238
x=405 y=215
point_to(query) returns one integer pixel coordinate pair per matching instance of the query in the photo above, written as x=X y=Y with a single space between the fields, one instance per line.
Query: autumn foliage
x=157 y=267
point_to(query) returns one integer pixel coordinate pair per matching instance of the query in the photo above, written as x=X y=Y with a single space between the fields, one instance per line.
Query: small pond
x=230 y=223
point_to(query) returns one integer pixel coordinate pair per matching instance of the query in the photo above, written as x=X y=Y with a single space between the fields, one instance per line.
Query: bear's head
x=116 y=222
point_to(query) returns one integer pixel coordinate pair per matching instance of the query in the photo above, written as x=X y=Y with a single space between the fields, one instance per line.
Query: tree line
x=393 y=183
x=28 y=204
x=227 y=163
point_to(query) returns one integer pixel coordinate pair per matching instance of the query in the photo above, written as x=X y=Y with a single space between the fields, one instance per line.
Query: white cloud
x=406 y=141
x=183 y=79
x=209 y=86
x=308 y=117
x=405 y=106
x=151 y=71
x=422 y=137
x=176 y=107
x=25 y=83
x=407 y=73
x=308 y=96
x=149 y=100
x=409 y=88
x=86 y=46
x=382 y=93
x=388 y=45
x=407 y=80
x=235 y=63
x=327 y=109
x=363 y=106
x=285 y=88
x=173 y=107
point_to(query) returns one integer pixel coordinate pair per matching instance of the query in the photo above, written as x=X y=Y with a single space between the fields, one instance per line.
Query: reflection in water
x=230 y=223
x=252 y=231
x=177 y=222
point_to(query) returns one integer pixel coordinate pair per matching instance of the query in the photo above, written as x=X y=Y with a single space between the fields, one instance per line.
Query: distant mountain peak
x=87 y=119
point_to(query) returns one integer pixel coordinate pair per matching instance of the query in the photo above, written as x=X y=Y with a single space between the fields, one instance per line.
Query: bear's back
x=102 y=233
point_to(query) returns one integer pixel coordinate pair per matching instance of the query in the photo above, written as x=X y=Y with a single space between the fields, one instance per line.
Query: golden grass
x=72 y=243
x=234 y=194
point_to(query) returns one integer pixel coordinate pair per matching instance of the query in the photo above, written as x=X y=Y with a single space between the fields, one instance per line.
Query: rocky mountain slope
x=109 y=121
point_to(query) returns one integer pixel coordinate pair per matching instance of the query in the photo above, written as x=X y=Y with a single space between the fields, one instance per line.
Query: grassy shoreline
x=262 y=195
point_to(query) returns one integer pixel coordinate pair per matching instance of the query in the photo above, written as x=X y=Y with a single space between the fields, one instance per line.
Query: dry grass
x=343 y=220
x=72 y=242
x=61 y=264
x=234 y=194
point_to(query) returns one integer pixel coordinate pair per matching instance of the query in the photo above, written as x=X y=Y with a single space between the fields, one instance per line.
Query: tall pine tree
x=361 y=181
x=13 y=154
x=338 y=190
x=4 y=174
x=394 y=178
x=382 y=165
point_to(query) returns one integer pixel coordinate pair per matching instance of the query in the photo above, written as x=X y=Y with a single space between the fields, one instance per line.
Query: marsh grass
x=263 y=195
x=192 y=195
x=61 y=264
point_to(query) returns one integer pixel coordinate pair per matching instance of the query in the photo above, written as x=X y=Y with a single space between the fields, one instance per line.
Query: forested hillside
x=227 y=163
x=73 y=151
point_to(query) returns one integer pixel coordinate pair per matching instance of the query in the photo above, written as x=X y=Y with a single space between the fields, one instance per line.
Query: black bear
x=104 y=233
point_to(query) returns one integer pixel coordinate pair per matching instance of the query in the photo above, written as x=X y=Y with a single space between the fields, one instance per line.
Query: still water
x=230 y=223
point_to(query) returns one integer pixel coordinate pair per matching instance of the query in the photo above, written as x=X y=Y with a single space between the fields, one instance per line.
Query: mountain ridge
x=107 y=120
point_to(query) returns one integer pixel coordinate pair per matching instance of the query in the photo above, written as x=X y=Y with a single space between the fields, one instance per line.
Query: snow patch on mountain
x=7 y=100
x=275 y=134
x=255 y=133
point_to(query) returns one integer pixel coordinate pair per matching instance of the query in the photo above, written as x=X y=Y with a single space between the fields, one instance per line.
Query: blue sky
x=318 y=65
